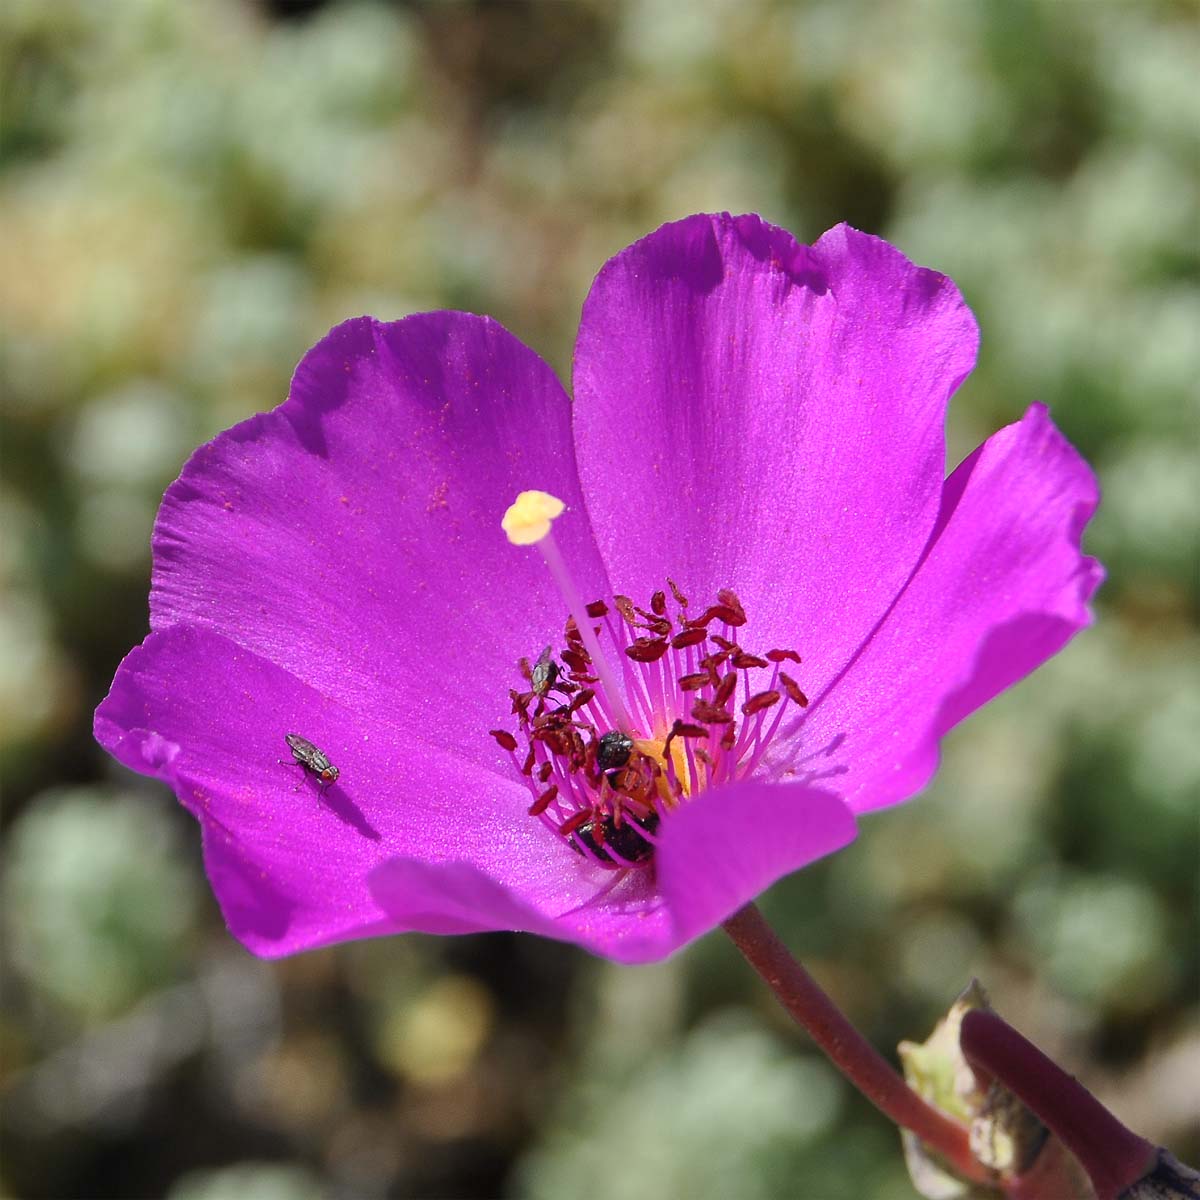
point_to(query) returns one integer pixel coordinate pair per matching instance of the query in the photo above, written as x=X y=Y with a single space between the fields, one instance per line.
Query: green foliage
x=97 y=899
x=721 y=1114
x=248 y=1181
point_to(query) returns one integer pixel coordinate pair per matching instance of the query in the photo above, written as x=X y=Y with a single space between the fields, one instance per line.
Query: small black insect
x=313 y=759
x=624 y=839
x=613 y=750
x=545 y=672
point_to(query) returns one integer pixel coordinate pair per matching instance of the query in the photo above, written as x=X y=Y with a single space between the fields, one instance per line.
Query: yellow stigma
x=528 y=518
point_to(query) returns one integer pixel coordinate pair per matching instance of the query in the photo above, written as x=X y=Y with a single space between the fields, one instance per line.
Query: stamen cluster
x=698 y=720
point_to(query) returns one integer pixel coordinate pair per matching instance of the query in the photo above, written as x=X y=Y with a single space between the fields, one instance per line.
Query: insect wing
x=303 y=751
x=311 y=757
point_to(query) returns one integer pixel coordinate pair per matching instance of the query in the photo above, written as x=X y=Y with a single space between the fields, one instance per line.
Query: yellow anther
x=528 y=518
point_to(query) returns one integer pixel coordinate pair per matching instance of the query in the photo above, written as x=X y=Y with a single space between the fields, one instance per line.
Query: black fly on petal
x=312 y=758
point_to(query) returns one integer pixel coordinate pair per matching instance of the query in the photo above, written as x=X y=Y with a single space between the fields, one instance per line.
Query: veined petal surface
x=716 y=855
x=1002 y=587
x=777 y=411
x=289 y=861
x=351 y=536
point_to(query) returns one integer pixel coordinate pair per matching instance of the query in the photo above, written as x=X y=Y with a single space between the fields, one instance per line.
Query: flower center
x=607 y=762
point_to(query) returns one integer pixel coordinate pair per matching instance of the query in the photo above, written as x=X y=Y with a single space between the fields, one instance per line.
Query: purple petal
x=290 y=863
x=729 y=844
x=352 y=536
x=1003 y=587
x=625 y=921
x=717 y=853
x=777 y=413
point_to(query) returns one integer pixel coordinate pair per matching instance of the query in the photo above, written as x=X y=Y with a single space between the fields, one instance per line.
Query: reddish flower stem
x=846 y=1048
x=1113 y=1157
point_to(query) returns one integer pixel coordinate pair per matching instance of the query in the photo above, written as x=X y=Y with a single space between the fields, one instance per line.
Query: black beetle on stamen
x=613 y=750
x=625 y=839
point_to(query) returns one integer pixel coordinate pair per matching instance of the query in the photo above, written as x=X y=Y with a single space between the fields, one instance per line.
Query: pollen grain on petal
x=528 y=518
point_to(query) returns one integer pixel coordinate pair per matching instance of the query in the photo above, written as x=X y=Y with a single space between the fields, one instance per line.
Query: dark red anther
x=710 y=714
x=559 y=739
x=543 y=801
x=659 y=626
x=725 y=689
x=576 y=660
x=671 y=736
x=646 y=649
x=576 y=821
x=759 y=702
x=680 y=598
x=545 y=771
x=626 y=609
x=712 y=613
x=689 y=637
x=793 y=690
x=658 y=603
x=729 y=600
x=584 y=698
x=683 y=729
x=744 y=661
x=693 y=683
x=728 y=738
x=505 y=739
x=527 y=765
x=725 y=643
x=597 y=609
x=778 y=656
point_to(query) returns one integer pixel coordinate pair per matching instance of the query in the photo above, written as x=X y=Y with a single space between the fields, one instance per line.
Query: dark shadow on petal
x=1008 y=653
x=348 y=812
x=801 y=767
x=324 y=379
x=697 y=260
x=770 y=244
x=810 y=777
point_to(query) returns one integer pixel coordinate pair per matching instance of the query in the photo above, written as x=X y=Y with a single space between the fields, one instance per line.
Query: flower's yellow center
x=655 y=748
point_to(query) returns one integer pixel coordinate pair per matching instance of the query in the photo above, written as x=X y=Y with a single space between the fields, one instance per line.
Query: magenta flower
x=757 y=430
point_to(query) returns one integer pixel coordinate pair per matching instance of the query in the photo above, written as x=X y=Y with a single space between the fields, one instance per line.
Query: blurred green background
x=191 y=193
